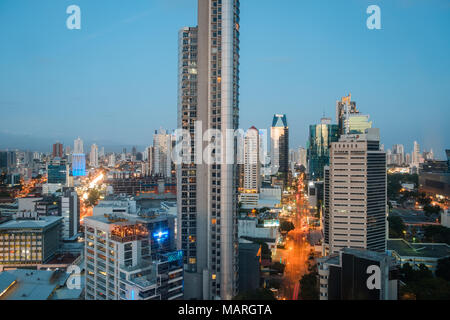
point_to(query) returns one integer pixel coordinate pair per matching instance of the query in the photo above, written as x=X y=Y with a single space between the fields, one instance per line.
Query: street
x=297 y=249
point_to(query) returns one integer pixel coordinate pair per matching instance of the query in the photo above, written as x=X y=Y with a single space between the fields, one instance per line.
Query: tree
x=258 y=294
x=421 y=285
x=437 y=234
x=428 y=289
x=394 y=185
x=309 y=287
x=396 y=227
x=93 y=197
x=443 y=269
x=286 y=226
x=409 y=274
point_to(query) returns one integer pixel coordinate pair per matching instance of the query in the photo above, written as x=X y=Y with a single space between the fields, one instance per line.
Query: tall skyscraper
x=149 y=157
x=279 y=151
x=78 y=146
x=252 y=164
x=101 y=154
x=112 y=160
x=162 y=147
x=58 y=150
x=398 y=154
x=303 y=157
x=416 y=157
x=70 y=211
x=207 y=193
x=57 y=171
x=357 y=123
x=250 y=169
x=8 y=161
x=345 y=107
x=93 y=156
x=355 y=194
x=320 y=138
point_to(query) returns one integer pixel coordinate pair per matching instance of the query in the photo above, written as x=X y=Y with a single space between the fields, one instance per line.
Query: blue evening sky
x=116 y=78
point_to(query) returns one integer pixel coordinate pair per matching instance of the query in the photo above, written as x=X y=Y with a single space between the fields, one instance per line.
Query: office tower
x=58 y=150
x=78 y=159
x=29 y=240
x=355 y=194
x=149 y=156
x=3 y=162
x=93 y=156
x=352 y=275
x=112 y=160
x=162 y=158
x=344 y=108
x=398 y=150
x=78 y=146
x=70 y=212
x=57 y=171
x=320 y=138
x=119 y=265
x=303 y=156
x=133 y=151
x=428 y=155
x=279 y=151
x=251 y=169
x=357 y=123
x=389 y=157
x=8 y=161
x=67 y=151
x=78 y=165
x=293 y=158
x=252 y=164
x=207 y=197
x=416 y=158
x=408 y=159
x=101 y=154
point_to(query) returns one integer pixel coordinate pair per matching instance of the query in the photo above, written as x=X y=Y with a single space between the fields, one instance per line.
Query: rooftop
x=430 y=250
x=42 y=223
x=30 y=285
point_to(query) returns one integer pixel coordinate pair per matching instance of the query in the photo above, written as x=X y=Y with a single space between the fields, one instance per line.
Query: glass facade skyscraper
x=279 y=152
x=57 y=171
x=320 y=138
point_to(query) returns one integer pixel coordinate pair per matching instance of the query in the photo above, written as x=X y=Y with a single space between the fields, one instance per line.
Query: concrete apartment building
x=119 y=264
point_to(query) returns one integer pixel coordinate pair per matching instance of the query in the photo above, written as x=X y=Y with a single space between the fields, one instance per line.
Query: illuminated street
x=94 y=181
x=297 y=249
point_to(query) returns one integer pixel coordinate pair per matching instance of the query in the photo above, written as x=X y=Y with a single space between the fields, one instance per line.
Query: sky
x=114 y=82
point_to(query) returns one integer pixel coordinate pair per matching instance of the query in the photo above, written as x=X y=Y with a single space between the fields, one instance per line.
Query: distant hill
x=44 y=144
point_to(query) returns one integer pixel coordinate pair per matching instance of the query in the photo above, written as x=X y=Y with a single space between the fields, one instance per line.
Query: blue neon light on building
x=78 y=165
x=161 y=235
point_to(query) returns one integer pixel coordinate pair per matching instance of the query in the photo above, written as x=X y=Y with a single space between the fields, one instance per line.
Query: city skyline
x=303 y=83
x=202 y=198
